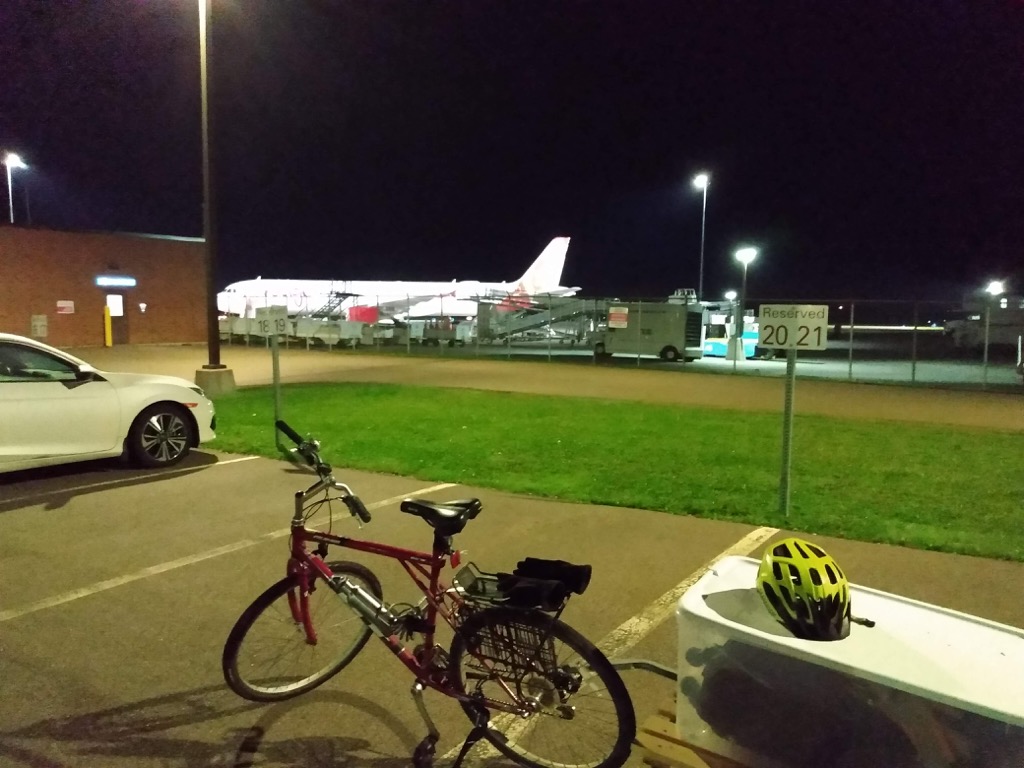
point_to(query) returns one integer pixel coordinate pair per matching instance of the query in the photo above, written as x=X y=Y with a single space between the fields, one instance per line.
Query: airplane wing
x=519 y=299
x=440 y=306
x=563 y=291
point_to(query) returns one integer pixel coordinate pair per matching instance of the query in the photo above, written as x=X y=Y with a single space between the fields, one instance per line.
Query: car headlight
x=198 y=391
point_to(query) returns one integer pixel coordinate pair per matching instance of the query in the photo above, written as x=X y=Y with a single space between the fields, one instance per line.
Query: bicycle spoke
x=268 y=656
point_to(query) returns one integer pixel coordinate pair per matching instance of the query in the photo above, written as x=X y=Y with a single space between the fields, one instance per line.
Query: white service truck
x=671 y=331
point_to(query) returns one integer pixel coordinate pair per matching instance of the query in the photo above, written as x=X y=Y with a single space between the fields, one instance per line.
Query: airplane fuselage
x=307 y=296
x=397 y=298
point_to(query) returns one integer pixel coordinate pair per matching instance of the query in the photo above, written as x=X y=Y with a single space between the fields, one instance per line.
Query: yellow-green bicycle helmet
x=805 y=589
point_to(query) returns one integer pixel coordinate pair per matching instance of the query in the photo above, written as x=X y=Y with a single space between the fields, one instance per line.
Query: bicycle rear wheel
x=580 y=713
x=268 y=655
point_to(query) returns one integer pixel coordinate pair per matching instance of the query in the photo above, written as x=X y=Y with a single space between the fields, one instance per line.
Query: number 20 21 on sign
x=793 y=326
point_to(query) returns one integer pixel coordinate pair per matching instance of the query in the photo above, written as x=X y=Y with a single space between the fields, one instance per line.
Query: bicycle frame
x=424 y=568
x=513 y=665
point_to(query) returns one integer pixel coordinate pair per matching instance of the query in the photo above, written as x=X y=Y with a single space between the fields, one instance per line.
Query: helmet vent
x=773 y=598
x=831 y=573
x=803 y=609
x=818 y=551
x=815 y=576
x=781 y=550
x=777 y=570
x=800 y=550
x=794 y=575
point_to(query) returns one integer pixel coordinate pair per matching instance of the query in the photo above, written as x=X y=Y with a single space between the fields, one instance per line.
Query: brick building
x=54 y=287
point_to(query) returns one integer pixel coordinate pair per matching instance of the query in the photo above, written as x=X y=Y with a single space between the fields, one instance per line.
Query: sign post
x=791 y=327
x=272 y=322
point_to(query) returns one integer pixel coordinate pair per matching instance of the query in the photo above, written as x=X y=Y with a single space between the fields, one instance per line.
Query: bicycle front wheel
x=270 y=655
x=575 y=709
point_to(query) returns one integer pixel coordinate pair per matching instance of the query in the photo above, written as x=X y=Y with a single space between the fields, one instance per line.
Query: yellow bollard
x=108 y=336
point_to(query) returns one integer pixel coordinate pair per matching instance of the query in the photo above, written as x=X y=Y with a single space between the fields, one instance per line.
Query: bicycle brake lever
x=357 y=508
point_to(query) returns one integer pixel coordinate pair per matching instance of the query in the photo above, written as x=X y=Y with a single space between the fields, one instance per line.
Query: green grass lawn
x=930 y=487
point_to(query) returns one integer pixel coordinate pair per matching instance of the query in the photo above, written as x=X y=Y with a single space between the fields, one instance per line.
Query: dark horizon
x=868 y=149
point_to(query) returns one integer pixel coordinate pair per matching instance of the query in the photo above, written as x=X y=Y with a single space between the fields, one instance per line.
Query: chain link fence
x=908 y=342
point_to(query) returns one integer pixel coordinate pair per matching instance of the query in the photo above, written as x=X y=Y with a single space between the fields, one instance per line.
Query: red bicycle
x=536 y=689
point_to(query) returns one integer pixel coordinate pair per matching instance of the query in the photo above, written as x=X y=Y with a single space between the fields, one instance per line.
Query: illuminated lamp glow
x=995 y=288
x=14 y=162
x=115 y=281
x=746 y=255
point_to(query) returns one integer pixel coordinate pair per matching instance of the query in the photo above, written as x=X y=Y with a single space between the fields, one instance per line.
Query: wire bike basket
x=535 y=585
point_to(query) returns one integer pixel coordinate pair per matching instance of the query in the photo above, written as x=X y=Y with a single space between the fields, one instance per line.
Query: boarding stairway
x=496 y=324
x=332 y=308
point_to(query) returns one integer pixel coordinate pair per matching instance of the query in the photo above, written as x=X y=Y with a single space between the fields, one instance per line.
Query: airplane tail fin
x=545 y=273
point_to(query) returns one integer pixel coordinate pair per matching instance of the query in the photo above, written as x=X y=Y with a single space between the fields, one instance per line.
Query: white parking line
x=633 y=630
x=102 y=586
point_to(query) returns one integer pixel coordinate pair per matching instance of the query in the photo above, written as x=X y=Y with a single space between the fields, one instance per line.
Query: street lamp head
x=13 y=161
x=701 y=181
x=995 y=288
x=746 y=255
x=730 y=295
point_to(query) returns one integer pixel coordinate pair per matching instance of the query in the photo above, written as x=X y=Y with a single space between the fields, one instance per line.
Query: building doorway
x=118 y=318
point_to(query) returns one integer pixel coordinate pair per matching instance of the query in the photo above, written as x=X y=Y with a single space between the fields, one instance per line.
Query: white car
x=57 y=409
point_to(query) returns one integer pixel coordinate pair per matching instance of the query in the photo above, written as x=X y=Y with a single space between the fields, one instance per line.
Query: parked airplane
x=399 y=299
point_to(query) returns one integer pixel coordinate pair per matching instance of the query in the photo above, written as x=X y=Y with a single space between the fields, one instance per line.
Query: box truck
x=671 y=331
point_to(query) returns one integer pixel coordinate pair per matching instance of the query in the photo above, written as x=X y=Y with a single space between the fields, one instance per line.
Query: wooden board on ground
x=662 y=748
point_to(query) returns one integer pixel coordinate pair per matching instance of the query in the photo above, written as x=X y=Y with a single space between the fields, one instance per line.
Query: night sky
x=870 y=148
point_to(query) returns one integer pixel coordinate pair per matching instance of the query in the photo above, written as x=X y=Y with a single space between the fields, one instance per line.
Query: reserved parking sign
x=793 y=326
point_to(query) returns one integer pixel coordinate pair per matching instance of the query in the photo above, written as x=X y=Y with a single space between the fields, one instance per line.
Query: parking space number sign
x=272 y=320
x=793 y=326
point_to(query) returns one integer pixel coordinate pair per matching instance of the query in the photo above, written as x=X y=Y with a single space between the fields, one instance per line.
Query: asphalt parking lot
x=118 y=588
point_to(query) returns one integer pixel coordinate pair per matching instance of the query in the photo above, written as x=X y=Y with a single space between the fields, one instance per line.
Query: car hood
x=125 y=379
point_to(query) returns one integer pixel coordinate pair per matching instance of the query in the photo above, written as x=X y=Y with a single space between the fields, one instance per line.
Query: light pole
x=993 y=289
x=214 y=377
x=744 y=256
x=730 y=296
x=701 y=181
x=12 y=161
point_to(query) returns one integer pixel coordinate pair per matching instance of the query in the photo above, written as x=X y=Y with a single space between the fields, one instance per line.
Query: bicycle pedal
x=423 y=755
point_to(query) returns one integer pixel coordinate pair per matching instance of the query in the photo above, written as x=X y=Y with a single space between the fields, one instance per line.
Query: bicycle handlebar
x=288 y=431
x=310 y=451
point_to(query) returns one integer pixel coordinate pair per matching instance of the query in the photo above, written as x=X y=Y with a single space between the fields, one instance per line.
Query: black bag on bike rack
x=576 y=578
x=522 y=592
x=543 y=584
x=535 y=583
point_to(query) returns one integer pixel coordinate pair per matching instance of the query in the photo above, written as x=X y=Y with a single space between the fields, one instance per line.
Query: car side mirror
x=84 y=373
